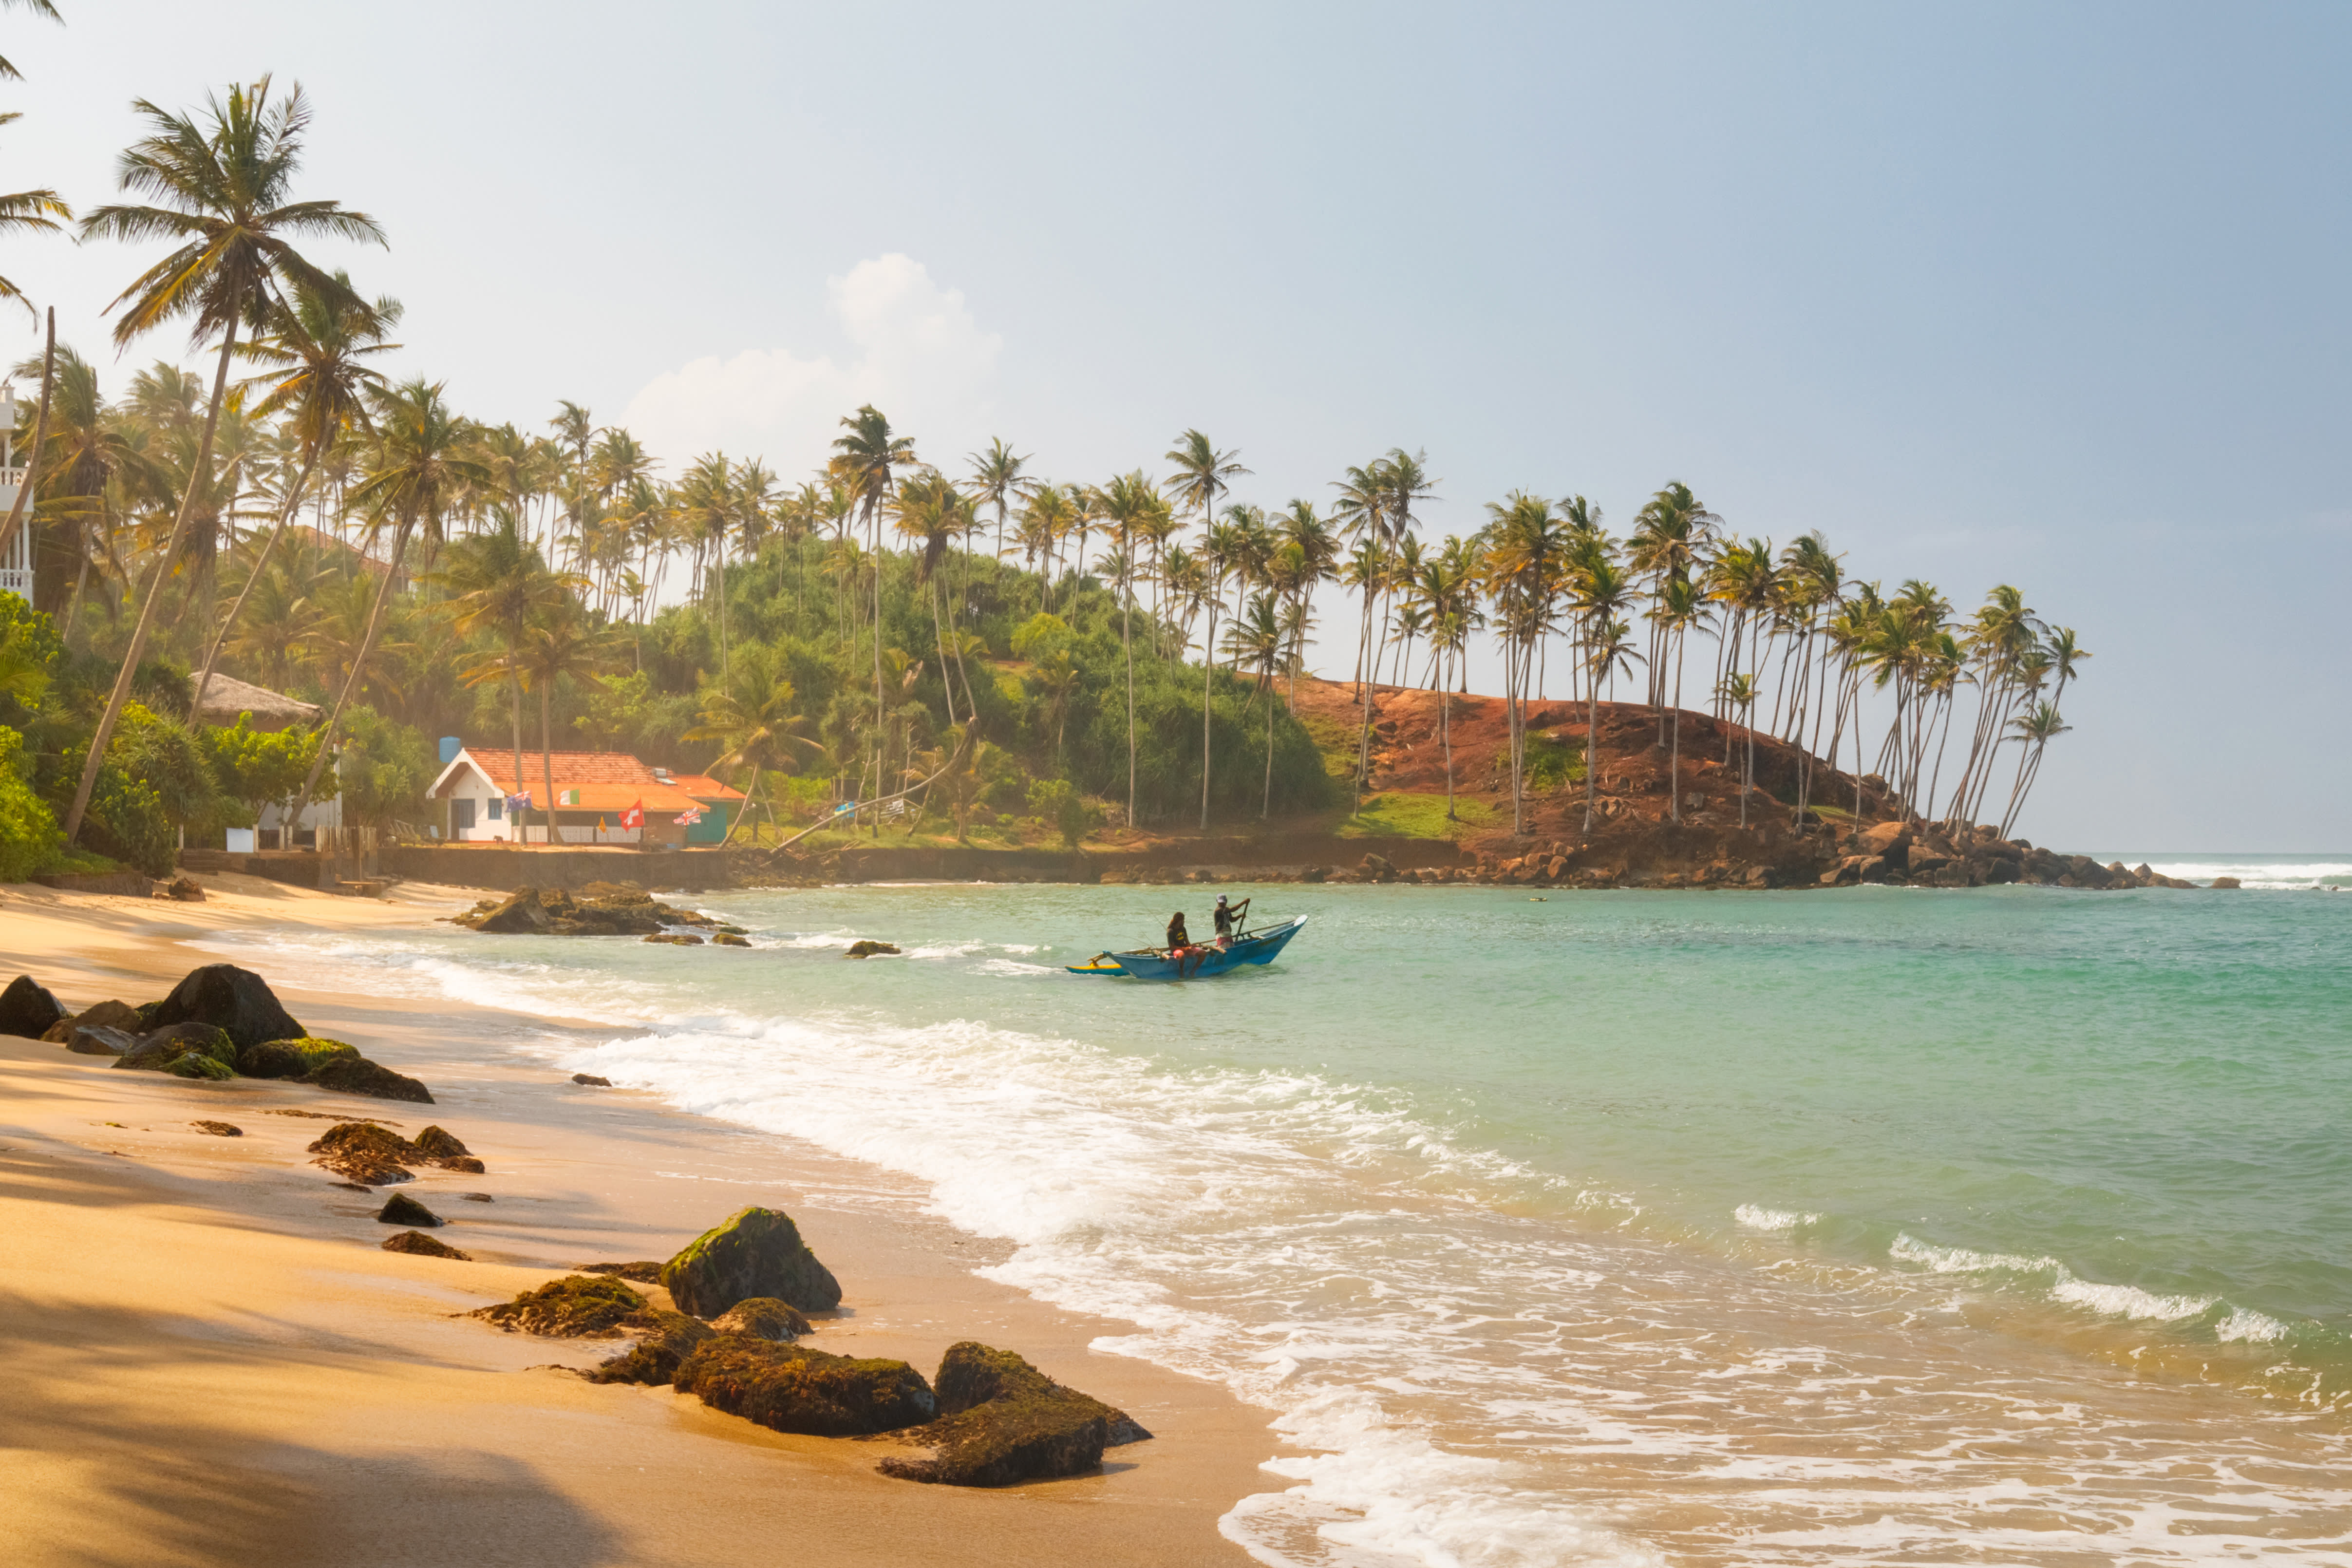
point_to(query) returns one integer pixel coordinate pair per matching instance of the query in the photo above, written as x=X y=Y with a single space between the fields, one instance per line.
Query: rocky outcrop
x=361 y=1151
x=290 y=1058
x=357 y=1075
x=868 y=949
x=423 y=1245
x=600 y=909
x=791 y=1388
x=98 y=1040
x=119 y=1015
x=184 y=1051
x=218 y=1128
x=232 y=999
x=590 y=1080
x=185 y=890
x=576 y=1307
x=757 y=1252
x=763 y=1318
x=647 y=1272
x=665 y=1339
x=675 y=938
x=27 y=1009
x=401 y=1209
x=1002 y=1421
x=729 y=939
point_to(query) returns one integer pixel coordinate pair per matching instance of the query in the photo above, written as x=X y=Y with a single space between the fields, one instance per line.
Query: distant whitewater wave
x=2260 y=870
x=1753 y=1217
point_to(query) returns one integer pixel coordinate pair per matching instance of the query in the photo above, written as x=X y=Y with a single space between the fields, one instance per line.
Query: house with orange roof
x=596 y=794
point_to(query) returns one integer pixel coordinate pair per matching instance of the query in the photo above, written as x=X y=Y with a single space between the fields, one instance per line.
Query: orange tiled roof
x=572 y=768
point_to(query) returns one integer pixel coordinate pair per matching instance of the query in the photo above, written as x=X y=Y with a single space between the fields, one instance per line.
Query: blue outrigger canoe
x=1154 y=963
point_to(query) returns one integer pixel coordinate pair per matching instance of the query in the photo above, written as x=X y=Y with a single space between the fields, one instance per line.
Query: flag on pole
x=635 y=817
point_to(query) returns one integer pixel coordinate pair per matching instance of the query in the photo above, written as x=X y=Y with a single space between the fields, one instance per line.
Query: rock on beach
x=756 y=1252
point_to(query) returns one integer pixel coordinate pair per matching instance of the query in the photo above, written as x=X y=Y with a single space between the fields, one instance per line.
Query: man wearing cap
x=1229 y=917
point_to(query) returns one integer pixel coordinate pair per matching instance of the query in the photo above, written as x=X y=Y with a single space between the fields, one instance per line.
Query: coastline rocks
x=364 y=1153
x=729 y=939
x=289 y=1059
x=666 y=1339
x=600 y=909
x=98 y=1040
x=27 y=1009
x=119 y=1015
x=1002 y=1421
x=404 y=1210
x=423 y=1245
x=590 y=1080
x=232 y=999
x=357 y=1075
x=184 y=1051
x=791 y=1388
x=644 y=1273
x=868 y=949
x=218 y=1128
x=757 y=1252
x=576 y=1307
x=762 y=1318
x=676 y=938
x=2225 y=882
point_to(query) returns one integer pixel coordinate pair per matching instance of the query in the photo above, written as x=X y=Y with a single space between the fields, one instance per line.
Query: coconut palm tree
x=1603 y=591
x=1131 y=504
x=1737 y=694
x=37 y=211
x=561 y=641
x=1676 y=608
x=1256 y=639
x=2035 y=729
x=424 y=461
x=225 y=185
x=315 y=346
x=1202 y=472
x=996 y=480
x=863 y=460
x=757 y=718
x=498 y=581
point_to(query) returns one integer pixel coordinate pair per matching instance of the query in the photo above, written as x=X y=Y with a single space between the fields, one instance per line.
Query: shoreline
x=197 y=1317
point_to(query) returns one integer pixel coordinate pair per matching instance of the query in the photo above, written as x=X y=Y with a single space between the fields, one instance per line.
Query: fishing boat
x=1197 y=962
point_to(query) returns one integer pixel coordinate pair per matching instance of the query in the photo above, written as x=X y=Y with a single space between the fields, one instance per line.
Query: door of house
x=461 y=814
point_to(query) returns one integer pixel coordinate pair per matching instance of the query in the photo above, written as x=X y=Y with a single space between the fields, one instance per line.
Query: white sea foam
x=1908 y=1248
x=2261 y=873
x=2126 y=1300
x=1756 y=1218
x=2250 y=1327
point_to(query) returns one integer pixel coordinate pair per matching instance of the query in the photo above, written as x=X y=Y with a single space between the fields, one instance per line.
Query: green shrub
x=125 y=820
x=28 y=830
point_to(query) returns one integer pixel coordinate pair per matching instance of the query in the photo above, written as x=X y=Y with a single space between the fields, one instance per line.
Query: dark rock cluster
x=376 y=1156
x=600 y=908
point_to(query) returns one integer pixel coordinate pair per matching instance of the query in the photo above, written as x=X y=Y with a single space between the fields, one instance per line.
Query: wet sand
x=208 y=1358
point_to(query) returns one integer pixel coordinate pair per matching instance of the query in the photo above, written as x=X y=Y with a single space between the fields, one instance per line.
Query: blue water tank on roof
x=450 y=746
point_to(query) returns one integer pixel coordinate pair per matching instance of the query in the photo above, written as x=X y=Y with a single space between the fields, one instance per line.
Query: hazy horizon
x=2003 y=295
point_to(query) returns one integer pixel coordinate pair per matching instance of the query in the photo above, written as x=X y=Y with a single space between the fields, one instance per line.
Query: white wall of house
x=477 y=806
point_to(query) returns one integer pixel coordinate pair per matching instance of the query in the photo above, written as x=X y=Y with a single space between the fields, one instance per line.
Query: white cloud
x=915 y=353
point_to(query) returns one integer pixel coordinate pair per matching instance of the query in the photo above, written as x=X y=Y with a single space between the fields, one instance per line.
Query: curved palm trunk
x=1127 y=647
x=358 y=671
x=1266 y=808
x=749 y=796
x=547 y=760
x=1208 y=668
x=228 y=622
x=198 y=473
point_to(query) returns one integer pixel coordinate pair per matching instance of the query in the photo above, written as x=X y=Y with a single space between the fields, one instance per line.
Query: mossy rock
x=868 y=949
x=665 y=1339
x=791 y=1388
x=357 y=1075
x=364 y=1153
x=233 y=999
x=290 y=1058
x=207 y=1038
x=576 y=1307
x=195 y=1066
x=439 y=1143
x=423 y=1245
x=763 y=1318
x=757 y=1252
x=645 y=1271
x=1001 y=1421
x=401 y=1209
x=729 y=939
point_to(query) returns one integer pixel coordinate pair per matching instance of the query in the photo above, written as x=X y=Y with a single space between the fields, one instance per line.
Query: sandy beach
x=209 y=1359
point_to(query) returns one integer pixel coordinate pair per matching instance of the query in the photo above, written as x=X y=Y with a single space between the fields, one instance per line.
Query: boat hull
x=1258 y=947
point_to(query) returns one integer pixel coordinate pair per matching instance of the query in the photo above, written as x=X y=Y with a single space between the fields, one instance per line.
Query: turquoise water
x=2004 y=1225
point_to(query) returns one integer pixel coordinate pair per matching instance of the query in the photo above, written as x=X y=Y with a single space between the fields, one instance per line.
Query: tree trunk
x=547 y=759
x=1208 y=668
x=1675 y=762
x=1127 y=647
x=198 y=475
x=285 y=519
x=749 y=796
x=359 y=669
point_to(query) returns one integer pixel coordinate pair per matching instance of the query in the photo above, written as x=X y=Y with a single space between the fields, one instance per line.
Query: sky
x=2043 y=294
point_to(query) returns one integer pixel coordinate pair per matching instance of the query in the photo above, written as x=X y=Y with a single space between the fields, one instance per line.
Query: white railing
x=12 y=478
x=536 y=834
x=13 y=580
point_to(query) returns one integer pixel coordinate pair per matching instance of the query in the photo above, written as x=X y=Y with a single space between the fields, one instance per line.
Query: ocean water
x=2010 y=1225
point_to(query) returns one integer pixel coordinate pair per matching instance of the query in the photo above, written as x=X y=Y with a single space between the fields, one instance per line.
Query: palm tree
x=225 y=186
x=1201 y=471
x=756 y=716
x=863 y=460
x=1737 y=693
x=1256 y=639
x=2035 y=729
x=35 y=210
x=496 y=581
x=562 y=641
x=996 y=480
x=706 y=509
x=1677 y=609
x=39 y=9
x=1603 y=590
x=425 y=460
x=316 y=347
x=1129 y=503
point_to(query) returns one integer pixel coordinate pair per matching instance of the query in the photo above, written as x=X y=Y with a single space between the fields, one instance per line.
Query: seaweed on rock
x=791 y=1388
x=1002 y=1421
x=576 y=1307
x=756 y=1252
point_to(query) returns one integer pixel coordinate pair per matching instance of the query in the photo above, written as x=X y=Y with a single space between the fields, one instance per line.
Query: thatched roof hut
x=227 y=697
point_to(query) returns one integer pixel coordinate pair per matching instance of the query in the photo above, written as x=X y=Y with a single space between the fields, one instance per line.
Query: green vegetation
x=1396 y=815
x=1552 y=762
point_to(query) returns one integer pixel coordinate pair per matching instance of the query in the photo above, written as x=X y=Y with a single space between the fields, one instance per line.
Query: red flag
x=635 y=817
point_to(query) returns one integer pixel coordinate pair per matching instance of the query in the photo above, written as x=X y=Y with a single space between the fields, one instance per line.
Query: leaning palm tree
x=316 y=348
x=225 y=185
x=757 y=719
x=426 y=458
x=2035 y=729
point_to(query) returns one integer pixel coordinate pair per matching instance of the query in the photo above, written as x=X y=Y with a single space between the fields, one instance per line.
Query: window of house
x=498 y=808
x=461 y=814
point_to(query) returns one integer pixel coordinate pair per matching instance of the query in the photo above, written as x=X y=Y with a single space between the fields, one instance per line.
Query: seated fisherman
x=1177 y=937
